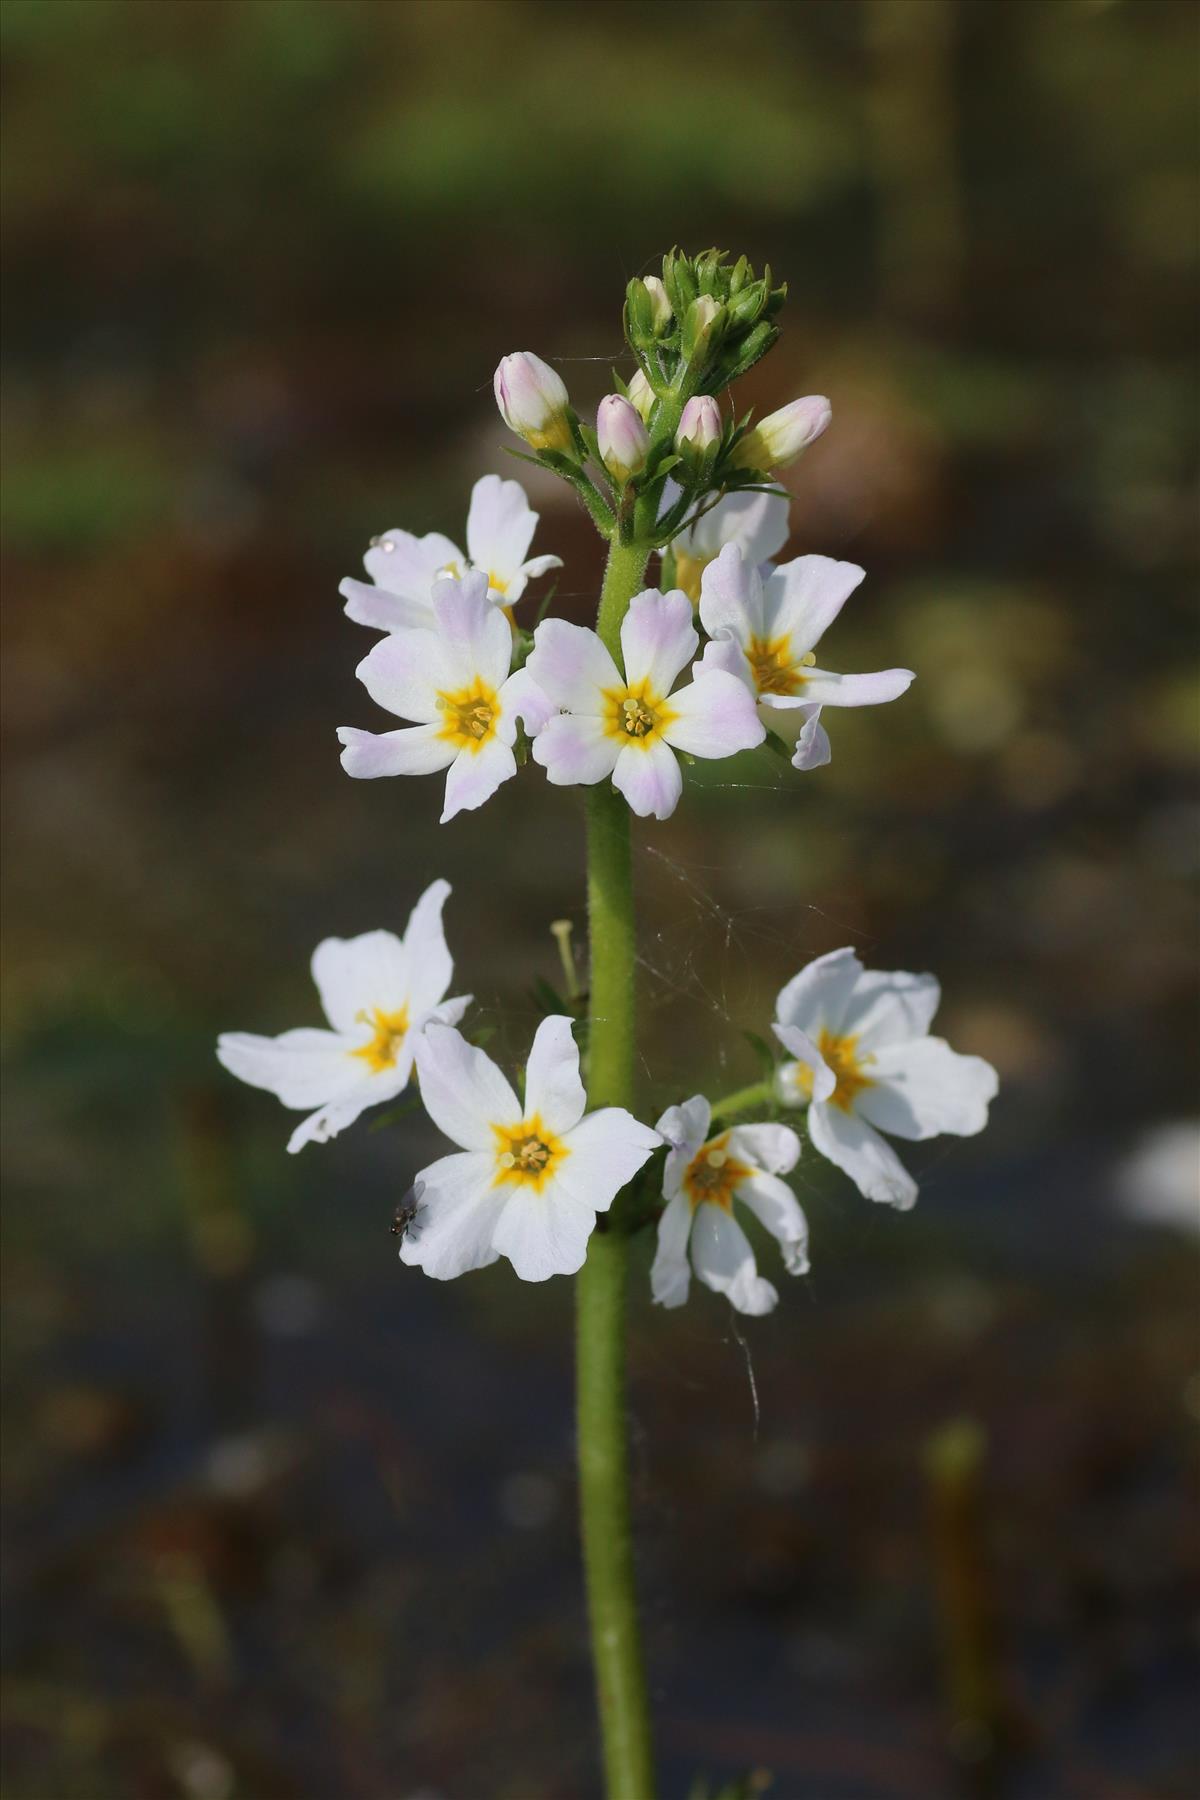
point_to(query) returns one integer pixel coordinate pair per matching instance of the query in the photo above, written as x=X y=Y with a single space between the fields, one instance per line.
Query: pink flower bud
x=642 y=396
x=699 y=428
x=624 y=440
x=534 y=402
x=782 y=435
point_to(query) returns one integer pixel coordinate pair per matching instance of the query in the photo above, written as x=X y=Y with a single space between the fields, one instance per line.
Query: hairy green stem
x=759 y=1093
x=600 y=1285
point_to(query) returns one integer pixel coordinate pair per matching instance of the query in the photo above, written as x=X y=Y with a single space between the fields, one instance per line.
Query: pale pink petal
x=408 y=565
x=374 y=606
x=475 y=775
x=539 y=565
x=405 y=673
x=724 y=1261
x=458 y=1205
x=756 y=523
x=805 y=596
x=649 y=778
x=573 y=748
x=726 y=656
x=824 y=689
x=925 y=1088
x=572 y=667
x=658 y=638
x=475 y=636
x=731 y=597
x=500 y=527
x=715 y=716
x=413 y=750
x=869 y=1160
x=812 y=745
x=522 y=698
x=462 y=1090
x=670 y=1274
x=553 y=1090
x=355 y=975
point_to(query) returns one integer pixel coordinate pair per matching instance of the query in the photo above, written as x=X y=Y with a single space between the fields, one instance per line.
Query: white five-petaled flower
x=629 y=726
x=764 y=632
x=454 y=681
x=702 y=1178
x=868 y=1064
x=379 y=992
x=403 y=568
x=530 y=1176
x=757 y=523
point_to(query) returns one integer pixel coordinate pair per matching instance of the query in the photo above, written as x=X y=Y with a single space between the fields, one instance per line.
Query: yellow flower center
x=527 y=1154
x=496 y=583
x=636 y=715
x=842 y=1056
x=384 y=1047
x=688 y=573
x=469 y=715
x=713 y=1174
x=776 y=670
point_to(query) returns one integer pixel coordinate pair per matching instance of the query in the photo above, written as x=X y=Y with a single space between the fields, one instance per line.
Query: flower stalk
x=600 y=1284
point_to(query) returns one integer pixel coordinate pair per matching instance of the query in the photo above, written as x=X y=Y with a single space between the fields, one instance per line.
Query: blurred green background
x=286 y=1521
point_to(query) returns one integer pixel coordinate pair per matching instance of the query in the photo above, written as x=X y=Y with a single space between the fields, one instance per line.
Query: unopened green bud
x=641 y=395
x=659 y=302
x=782 y=435
x=700 y=328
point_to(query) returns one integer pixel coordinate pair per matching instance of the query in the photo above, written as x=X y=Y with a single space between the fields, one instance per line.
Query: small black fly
x=405 y=1213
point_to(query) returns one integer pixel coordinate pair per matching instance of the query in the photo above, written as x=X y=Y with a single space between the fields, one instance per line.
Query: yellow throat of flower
x=776 y=669
x=712 y=1175
x=636 y=715
x=390 y=1029
x=527 y=1154
x=469 y=715
x=841 y=1053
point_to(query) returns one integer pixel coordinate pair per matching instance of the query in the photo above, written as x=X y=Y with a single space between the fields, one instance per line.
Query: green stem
x=600 y=1286
x=759 y=1093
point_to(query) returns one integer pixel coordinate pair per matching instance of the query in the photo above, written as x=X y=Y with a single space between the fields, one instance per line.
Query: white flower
x=403 y=568
x=756 y=523
x=629 y=726
x=867 y=1064
x=782 y=435
x=702 y=1178
x=531 y=1177
x=622 y=438
x=379 y=992
x=454 y=681
x=534 y=402
x=764 y=633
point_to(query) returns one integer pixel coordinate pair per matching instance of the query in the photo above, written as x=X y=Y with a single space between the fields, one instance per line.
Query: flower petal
x=553 y=1089
x=475 y=636
x=805 y=596
x=500 y=528
x=812 y=745
x=922 y=1089
x=821 y=1079
x=575 y=748
x=409 y=566
x=537 y=565
x=725 y=654
x=731 y=597
x=670 y=1274
x=430 y=965
x=476 y=774
x=715 y=716
x=862 y=1154
x=572 y=667
x=413 y=750
x=607 y=1150
x=824 y=689
x=649 y=778
x=374 y=606
x=522 y=698
x=359 y=974
x=544 y=1234
x=774 y=1205
x=818 y=996
x=756 y=523
x=462 y=1090
x=724 y=1261
x=658 y=638
x=683 y=1128
x=405 y=673
x=890 y=1007
x=457 y=1209
x=305 y=1067
x=775 y=1148
x=329 y=1120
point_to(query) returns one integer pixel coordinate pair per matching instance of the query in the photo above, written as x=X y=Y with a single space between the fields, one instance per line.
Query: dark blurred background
x=286 y=1521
